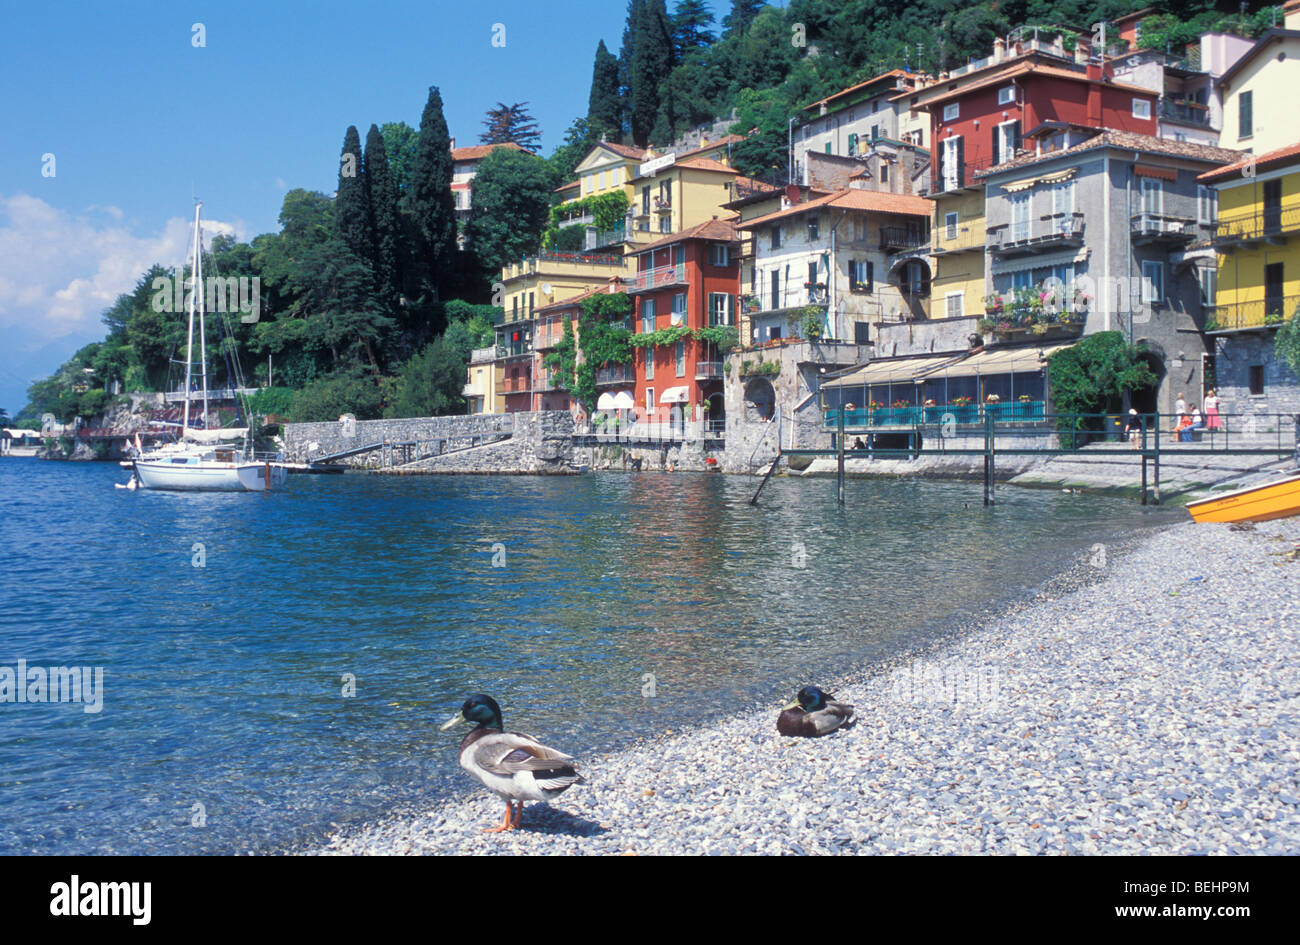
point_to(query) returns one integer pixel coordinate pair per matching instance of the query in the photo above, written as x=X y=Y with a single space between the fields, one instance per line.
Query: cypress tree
x=625 y=55
x=385 y=224
x=429 y=203
x=652 y=59
x=352 y=204
x=604 y=108
x=691 y=22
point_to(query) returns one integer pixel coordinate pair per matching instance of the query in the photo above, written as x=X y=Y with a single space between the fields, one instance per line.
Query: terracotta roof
x=722 y=231
x=480 y=151
x=870 y=200
x=575 y=299
x=893 y=73
x=758 y=186
x=1124 y=141
x=707 y=164
x=1017 y=67
x=569 y=186
x=626 y=150
x=1282 y=155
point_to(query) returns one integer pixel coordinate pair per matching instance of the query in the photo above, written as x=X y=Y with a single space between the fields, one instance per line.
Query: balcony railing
x=960 y=174
x=1262 y=313
x=1258 y=224
x=1184 y=110
x=1011 y=239
x=707 y=369
x=514 y=349
x=615 y=374
x=1148 y=227
x=482 y=355
x=648 y=280
x=903 y=239
x=544 y=383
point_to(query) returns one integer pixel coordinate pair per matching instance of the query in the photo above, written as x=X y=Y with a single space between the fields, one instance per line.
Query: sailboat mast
x=189 y=342
x=198 y=288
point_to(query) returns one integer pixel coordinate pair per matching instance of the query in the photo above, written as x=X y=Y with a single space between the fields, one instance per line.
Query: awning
x=623 y=401
x=999 y=361
x=1059 y=176
x=605 y=402
x=1161 y=173
x=887 y=370
x=1016 y=186
x=675 y=395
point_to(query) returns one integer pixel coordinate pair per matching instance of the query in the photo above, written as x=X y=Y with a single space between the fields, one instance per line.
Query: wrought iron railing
x=1260 y=313
x=1258 y=224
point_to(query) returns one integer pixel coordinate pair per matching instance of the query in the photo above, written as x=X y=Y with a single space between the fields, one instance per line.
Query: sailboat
x=202 y=461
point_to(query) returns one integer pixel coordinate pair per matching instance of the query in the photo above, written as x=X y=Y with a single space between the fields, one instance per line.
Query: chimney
x=453 y=144
x=1058 y=45
x=1094 y=72
x=999 y=49
x=792 y=194
x=1080 y=51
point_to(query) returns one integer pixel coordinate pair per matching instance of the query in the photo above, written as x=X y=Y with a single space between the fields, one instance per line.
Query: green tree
x=692 y=21
x=328 y=398
x=512 y=200
x=1287 y=342
x=652 y=58
x=578 y=142
x=604 y=105
x=385 y=218
x=429 y=202
x=1092 y=377
x=743 y=13
x=352 y=222
x=508 y=124
x=399 y=147
x=430 y=383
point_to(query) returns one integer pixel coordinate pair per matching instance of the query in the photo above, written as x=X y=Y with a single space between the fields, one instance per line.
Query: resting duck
x=813 y=713
x=515 y=767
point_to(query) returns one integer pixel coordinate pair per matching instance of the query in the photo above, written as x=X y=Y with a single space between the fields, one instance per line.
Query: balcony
x=1157 y=228
x=545 y=383
x=1185 y=111
x=786 y=299
x=514 y=349
x=1263 y=313
x=648 y=280
x=615 y=374
x=1054 y=231
x=707 y=370
x=663 y=204
x=1270 y=225
x=961 y=175
x=483 y=355
x=904 y=239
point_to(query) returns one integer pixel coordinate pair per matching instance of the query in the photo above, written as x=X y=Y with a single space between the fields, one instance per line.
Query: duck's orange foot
x=508 y=823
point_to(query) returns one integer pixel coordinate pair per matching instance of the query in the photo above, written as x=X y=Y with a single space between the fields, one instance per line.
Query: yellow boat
x=1271 y=500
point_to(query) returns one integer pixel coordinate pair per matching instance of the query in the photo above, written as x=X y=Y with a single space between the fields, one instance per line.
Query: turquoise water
x=223 y=695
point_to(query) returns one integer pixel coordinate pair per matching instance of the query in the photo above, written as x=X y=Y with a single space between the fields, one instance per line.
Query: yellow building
x=957 y=288
x=553 y=277
x=1257 y=91
x=480 y=391
x=671 y=194
x=1257 y=240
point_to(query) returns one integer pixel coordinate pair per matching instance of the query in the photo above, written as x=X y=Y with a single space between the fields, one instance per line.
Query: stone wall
x=931 y=336
x=538 y=443
x=1234 y=356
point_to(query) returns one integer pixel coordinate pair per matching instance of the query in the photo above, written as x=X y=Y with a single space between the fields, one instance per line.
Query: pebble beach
x=1147 y=701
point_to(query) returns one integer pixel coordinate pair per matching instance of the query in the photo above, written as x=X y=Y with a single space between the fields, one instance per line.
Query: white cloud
x=279 y=182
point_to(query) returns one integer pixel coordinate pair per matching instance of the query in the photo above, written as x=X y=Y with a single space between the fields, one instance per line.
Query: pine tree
x=429 y=203
x=352 y=204
x=692 y=20
x=652 y=60
x=384 y=218
x=743 y=13
x=604 y=107
x=511 y=123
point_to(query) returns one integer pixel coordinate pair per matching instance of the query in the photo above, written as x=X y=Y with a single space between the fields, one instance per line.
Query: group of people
x=1189 y=420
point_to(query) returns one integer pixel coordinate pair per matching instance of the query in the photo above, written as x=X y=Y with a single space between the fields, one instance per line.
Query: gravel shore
x=1147 y=702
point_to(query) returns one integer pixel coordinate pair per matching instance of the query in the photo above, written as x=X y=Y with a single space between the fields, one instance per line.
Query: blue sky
x=139 y=120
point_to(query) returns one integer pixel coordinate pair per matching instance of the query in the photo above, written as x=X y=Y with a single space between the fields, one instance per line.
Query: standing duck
x=813 y=713
x=512 y=766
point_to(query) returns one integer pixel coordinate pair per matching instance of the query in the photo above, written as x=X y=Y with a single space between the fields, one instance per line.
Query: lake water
x=223 y=700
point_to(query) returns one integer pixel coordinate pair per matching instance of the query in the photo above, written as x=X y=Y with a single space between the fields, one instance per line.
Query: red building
x=980 y=115
x=688 y=280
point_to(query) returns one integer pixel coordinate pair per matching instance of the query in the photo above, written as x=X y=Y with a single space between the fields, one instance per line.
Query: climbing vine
x=608 y=212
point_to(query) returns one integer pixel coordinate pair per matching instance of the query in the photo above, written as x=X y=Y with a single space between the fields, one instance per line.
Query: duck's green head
x=480 y=710
x=810 y=699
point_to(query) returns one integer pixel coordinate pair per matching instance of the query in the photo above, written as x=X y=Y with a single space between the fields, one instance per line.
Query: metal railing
x=1260 y=313
x=1185 y=110
x=1258 y=224
x=615 y=374
x=1157 y=225
x=649 y=279
x=1036 y=234
x=902 y=239
x=707 y=369
x=1032 y=411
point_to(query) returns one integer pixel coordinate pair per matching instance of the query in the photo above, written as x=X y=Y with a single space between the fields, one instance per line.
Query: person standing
x=1133 y=428
x=1212 y=419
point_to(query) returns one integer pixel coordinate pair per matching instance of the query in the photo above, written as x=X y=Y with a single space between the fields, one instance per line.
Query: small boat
x=1278 y=499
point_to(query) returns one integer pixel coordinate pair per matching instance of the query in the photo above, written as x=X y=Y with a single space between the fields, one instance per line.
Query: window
x=1006 y=141
x=1063 y=201
x=649 y=365
x=1207 y=204
x=813 y=224
x=953 y=304
x=1142 y=108
x=950 y=163
x=679 y=309
x=1153 y=282
x=950 y=112
x=720 y=255
x=1257 y=380
x=884 y=173
x=828 y=147
x=586 y=183
x=600 y=181
x=650 y=399
x=1019 y=217
x=917 y=283
x=853 y=145
x=1209 y=279
x=645 y=200
x=859 y=229
x=776 y=236
x=950 y=226
x=875 y=132
x=720 y=308
x=1007 y=96
x=530 y=305
x=1153 y=195
x=1245 y=114
x=647 y=315
x=681 y=359
x=860 y=275
x=862 y=333
x=665 y=224
x=776 y=289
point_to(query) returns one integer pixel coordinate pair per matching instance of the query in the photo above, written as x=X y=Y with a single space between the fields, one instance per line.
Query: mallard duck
x=512 y=766
x=812 y=713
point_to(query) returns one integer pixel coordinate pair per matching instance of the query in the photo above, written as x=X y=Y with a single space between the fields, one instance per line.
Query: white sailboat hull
x=210 y=476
